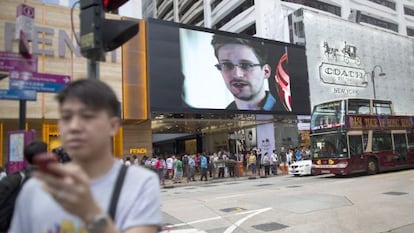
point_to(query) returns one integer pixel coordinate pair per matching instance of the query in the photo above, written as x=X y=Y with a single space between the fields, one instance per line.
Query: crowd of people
x=205 y=166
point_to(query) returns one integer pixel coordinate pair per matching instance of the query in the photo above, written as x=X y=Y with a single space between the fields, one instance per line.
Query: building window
x=163 y=15
x=215 y=3
x=336 y=10
x=244 y=6
x=159 y=3
x=410 y=31
x=187 y=6
x=250 y=30
x=379 y=22
x=408 y=11
x=197 y=19
x=386 y=3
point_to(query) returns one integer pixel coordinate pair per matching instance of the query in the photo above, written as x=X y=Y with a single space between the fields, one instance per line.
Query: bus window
x=400 y=145
x=381 y=141
x=355 y=145
x=382 y=108
x=365 y=141
x=358 y=107
x=329 y=146
x=328 y=115
x=410 y=137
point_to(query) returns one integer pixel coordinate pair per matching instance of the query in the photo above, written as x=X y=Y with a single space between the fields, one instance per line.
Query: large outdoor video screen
x=199 y=70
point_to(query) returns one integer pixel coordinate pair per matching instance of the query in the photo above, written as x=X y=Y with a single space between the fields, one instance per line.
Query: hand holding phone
x=43 y=161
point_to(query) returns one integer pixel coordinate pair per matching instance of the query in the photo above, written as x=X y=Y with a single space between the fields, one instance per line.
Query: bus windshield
x=329 y=146
x=329 y=115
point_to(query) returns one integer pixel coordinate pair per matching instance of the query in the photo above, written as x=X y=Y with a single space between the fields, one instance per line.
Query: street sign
x=14 y=61
x=236 y=136
x=38 y=81
x=15 y=94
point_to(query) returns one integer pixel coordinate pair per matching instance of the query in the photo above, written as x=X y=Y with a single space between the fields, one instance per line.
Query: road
x=284 y=204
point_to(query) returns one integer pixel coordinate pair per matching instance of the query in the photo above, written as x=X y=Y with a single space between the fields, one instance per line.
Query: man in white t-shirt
x=274 y=162
x=170 y=168
x=127 y=161
x=75 y=197
x=2 y=173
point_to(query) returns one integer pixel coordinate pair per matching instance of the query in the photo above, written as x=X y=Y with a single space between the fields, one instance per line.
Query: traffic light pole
x=99 y=35
x=22 y=114
x=93 y=69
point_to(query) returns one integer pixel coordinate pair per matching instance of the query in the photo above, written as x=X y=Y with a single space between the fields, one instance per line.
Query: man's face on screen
x=242 y=72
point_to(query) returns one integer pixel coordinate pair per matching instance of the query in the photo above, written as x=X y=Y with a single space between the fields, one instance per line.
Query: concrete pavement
x=403 y=229
x=409 y=228
x=170 y=184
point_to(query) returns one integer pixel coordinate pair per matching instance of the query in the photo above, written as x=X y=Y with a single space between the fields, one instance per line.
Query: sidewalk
x=403 y=229
x=170 y=184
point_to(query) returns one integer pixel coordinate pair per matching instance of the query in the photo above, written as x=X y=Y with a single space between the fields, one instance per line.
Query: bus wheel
x=372 y=167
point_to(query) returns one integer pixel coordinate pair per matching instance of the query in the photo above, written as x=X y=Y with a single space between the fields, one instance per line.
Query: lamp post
x=381 y=73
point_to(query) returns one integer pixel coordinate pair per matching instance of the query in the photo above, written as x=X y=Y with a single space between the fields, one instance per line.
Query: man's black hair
x=32 y=149
x=259 y=49
x=94 y=93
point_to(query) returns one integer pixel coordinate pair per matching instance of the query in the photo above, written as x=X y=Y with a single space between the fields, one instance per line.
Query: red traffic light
x=111 y=5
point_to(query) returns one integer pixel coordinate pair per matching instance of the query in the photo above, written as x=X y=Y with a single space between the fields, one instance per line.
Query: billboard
x=200 y=70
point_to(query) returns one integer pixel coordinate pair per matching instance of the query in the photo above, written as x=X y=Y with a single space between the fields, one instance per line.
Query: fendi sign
x=44 y=40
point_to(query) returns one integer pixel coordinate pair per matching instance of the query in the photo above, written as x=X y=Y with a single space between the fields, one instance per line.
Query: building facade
x=394 y=18
x=241 y=16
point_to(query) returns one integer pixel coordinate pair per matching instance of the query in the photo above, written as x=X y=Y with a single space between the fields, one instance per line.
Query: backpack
x=9 y=189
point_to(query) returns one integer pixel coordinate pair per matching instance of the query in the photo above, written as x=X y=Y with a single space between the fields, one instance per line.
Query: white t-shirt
x=139 y=204
x=2 y=175
x=170 y=162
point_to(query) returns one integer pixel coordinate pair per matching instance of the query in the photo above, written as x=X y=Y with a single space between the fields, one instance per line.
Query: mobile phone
x=43 y=161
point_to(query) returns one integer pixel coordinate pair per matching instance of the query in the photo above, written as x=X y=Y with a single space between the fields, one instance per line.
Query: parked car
x=301 y=168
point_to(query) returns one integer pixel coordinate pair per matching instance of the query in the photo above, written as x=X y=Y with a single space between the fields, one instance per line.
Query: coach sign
x=343 y=75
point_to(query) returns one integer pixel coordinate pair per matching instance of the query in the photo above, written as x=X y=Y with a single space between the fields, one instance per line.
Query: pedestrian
x=170 y=167
x=221 y=165
x=2 y=173
x=204 y=167
x=178 y=171
x=127 y=161
x=231 y=165
x=258 y=155
x=191 y=168
x=298 y=155
x=135 y=160
x=75 y=197
x=160 y=168
x=274 y=162
x=266 y=164
x=11 y=185
x=252 y=163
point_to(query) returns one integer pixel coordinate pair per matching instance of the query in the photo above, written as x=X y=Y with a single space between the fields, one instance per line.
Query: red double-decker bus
x=360 y=135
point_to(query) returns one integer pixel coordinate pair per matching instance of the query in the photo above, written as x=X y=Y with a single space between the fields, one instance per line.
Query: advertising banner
x=194 y=69
x=17 y=141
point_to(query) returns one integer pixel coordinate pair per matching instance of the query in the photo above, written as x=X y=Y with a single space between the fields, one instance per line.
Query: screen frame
x=176 y=103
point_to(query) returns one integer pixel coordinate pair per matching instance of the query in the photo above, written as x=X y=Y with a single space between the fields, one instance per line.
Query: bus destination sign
x=379 y=122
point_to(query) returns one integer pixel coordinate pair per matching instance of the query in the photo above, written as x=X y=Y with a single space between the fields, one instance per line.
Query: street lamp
x=373 y=77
